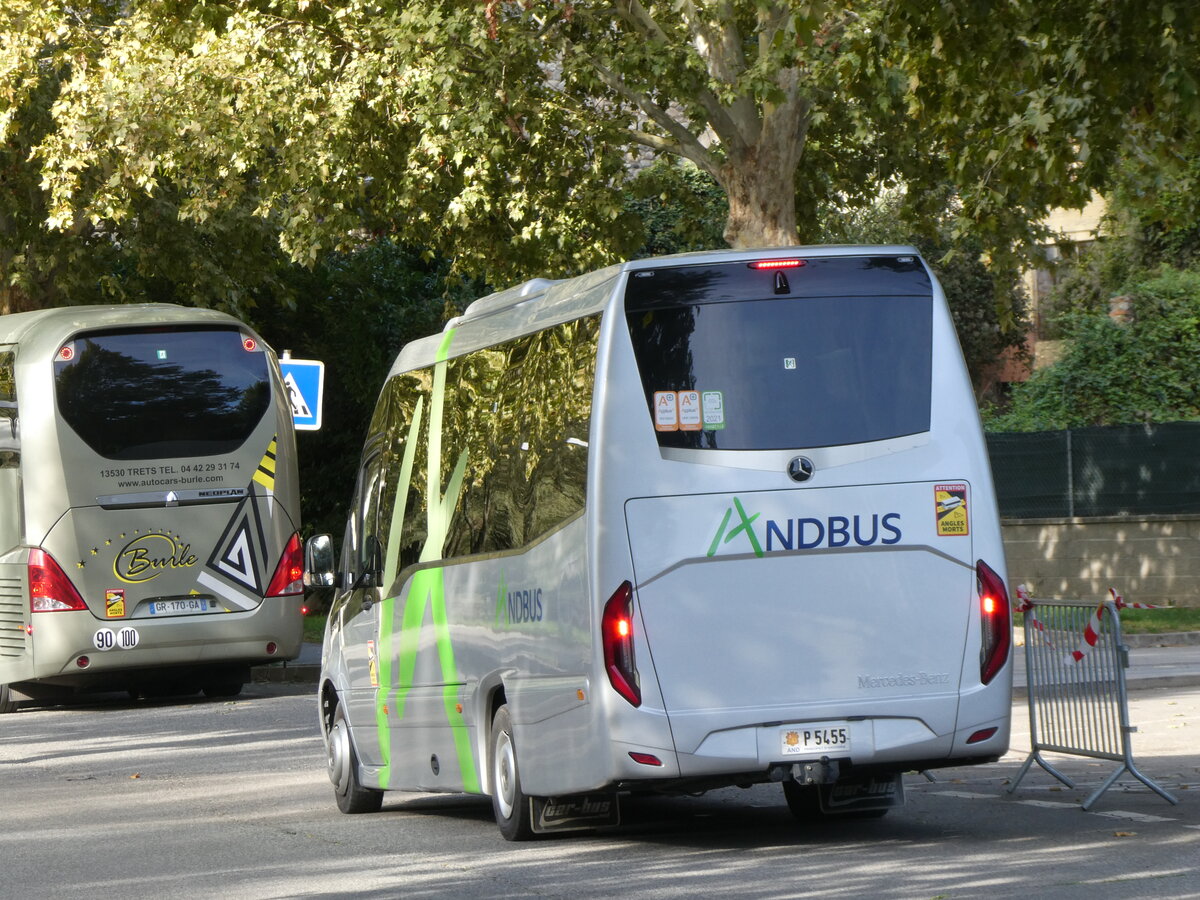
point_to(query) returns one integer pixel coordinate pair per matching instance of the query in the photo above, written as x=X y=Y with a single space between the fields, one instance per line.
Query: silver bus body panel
x=877 y=627
x=130 y=532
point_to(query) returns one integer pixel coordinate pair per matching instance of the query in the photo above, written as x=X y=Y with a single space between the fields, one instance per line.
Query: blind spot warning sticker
x=666 y=411
x=951 y=506
x=713 y=403
x=114 y=603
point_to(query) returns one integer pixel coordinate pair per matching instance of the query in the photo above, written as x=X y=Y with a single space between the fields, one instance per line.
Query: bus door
x=356 y=612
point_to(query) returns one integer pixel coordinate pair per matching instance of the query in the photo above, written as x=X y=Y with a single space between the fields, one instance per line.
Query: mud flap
x=854 y=795
x=574 y=812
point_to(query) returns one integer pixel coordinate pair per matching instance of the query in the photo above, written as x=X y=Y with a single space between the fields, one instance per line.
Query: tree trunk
x=762 y=201
x=759 y=172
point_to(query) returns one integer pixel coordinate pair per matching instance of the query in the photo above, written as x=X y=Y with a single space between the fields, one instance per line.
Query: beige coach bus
x=149 y=508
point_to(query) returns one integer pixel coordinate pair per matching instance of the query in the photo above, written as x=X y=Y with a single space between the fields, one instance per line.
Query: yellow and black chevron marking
x=266 y=467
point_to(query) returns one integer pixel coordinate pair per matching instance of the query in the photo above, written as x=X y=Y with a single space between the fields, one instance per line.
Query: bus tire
x=509 y=803
x=7 y=703
x=352 y=798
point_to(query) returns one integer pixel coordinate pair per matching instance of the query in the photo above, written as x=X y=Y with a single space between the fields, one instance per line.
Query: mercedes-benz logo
x=800 y=469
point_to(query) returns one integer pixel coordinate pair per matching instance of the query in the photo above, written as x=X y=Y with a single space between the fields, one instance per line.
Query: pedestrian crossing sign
x=304 y=380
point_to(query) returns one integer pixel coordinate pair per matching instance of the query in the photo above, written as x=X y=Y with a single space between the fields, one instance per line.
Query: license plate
x=184 y=607
x=818 y=739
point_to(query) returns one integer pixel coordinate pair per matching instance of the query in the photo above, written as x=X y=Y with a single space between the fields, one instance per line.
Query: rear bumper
x=60 y=642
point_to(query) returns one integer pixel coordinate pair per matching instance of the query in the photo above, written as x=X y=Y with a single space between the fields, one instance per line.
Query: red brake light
x=289 y=574
x=617 y=637
x=995 y=622
x=249 y=344
x=777 y=264
x=50 y=590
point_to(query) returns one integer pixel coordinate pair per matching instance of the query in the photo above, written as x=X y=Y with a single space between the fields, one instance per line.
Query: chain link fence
x=1122 y=470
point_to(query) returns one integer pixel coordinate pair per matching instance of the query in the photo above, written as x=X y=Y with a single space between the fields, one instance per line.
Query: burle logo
x=831 y=532
x=149 y=555
x=745 y=527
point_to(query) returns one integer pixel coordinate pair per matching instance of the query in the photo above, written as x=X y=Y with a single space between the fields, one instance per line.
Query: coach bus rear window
x=162 y=393
x=830 y=352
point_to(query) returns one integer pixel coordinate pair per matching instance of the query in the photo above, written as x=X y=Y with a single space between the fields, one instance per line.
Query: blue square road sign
x=305 y=383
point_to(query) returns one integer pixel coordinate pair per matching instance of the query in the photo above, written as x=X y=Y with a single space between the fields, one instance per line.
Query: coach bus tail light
x=995 y=622
x=50 y=590
x=289 y=574
x=617 y=630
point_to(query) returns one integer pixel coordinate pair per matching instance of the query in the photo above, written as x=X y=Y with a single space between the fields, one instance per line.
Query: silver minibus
x=149 y=507
x=683 y=523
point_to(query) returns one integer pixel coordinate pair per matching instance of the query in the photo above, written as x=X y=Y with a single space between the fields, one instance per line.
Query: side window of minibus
x=10 y=447
x=370 y=556
x=10 y=454
x=356 y=555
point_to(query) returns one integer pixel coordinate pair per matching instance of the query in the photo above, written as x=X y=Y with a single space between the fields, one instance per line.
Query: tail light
x=617 y=630
x=995 y=622
x=289 y=574
x=50 y=590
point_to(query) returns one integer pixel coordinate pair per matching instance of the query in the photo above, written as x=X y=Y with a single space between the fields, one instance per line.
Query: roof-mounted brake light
x=770 y=264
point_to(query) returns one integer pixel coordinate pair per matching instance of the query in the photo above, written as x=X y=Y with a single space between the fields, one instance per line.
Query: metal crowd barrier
x=1078 y=705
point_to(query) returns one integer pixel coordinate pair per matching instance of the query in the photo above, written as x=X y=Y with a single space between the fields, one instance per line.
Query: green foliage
x=1037 y=103
x=354 y=312
x=680 y=209
x=1112 y=374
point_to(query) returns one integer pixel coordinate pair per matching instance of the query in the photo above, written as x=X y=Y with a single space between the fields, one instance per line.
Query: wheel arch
x=492 y=696
x=327 y=704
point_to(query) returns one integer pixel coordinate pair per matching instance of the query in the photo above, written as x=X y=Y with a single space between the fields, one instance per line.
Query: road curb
x=1167 y=639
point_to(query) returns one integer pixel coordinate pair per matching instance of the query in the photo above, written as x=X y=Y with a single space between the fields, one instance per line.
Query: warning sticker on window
x=689 y=410
x=714 y=410
x=951 y=506
x=666 y=411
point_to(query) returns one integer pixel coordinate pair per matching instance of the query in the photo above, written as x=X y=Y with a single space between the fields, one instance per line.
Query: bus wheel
x=7 y=703
x=509 y=802
x=351 y=796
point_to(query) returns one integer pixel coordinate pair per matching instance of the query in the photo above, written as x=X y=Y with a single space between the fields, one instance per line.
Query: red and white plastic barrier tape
x=1091 y=633
x=1026 y=607
x=1119 y=602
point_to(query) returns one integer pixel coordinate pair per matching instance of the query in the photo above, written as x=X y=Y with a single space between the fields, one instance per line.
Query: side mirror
x=318 y=561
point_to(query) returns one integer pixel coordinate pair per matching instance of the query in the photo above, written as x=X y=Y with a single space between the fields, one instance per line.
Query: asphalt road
x=229 y=798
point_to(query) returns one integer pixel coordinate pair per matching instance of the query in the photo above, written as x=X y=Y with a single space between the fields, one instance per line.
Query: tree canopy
x=501 y=134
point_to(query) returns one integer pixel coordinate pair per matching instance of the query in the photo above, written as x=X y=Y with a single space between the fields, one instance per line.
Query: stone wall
x=1151 y=559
